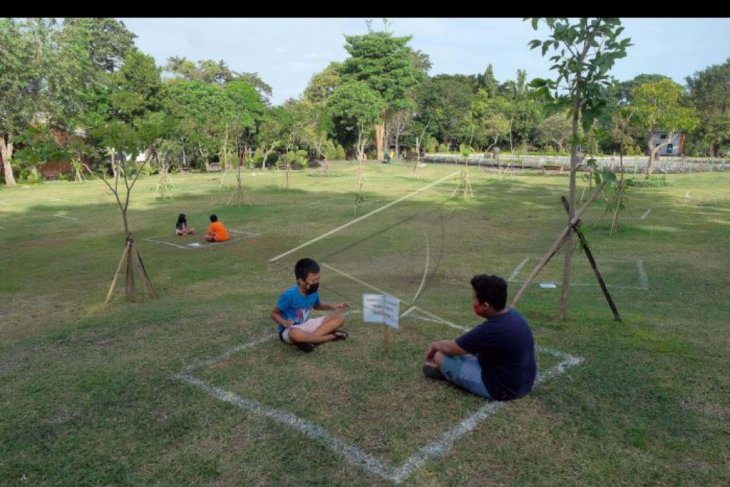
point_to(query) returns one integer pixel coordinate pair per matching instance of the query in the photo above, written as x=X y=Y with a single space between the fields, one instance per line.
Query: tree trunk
x=380 y=141
x=568 y=261
x=650 y=164
x=361 y=144
x=6 y=150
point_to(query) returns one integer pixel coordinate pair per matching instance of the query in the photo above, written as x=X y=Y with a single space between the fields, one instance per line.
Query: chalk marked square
x=625 y=267
x=351 y=452
x=241 y=235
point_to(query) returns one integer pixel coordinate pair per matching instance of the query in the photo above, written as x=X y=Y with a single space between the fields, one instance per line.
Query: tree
x=202 y=111
x=323 y=84
x=390 y=68
x=555 y=129
x=710 y=94
x=443 y=103
x=658 y=106
x=217 y=72
x=25 y=61
x=354 y=109
x=586 y=51
x=489 y=114
x=273 y=131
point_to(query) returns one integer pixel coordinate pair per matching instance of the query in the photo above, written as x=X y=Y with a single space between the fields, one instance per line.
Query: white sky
x=286 y=52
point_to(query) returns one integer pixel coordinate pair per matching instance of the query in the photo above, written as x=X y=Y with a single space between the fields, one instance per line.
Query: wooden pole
x=386 y=338
x=556 y=246
x=116 y=274
x=145 y=277
x=594 y=266
x=129 y=285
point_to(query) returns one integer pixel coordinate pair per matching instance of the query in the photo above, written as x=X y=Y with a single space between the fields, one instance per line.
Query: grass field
x=193 y=388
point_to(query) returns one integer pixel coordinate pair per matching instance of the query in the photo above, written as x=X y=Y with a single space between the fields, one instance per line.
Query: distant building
x=674 y=148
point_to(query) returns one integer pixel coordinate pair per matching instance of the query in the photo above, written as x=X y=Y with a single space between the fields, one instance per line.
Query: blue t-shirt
x=296 y=307
x=505 y=349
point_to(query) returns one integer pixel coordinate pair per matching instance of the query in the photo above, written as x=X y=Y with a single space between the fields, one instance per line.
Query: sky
x=287 y=52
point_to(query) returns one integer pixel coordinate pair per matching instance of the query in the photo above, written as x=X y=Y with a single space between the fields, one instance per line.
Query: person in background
x=217 y=232
x=181 y=227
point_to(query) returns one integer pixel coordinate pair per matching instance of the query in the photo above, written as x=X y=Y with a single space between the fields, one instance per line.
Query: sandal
x=432 y=372
x=340 y=334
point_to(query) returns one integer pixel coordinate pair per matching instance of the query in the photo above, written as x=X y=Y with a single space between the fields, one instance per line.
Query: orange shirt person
x=217 y=232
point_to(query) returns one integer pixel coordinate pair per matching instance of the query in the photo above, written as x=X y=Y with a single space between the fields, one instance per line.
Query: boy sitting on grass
x=295 y=304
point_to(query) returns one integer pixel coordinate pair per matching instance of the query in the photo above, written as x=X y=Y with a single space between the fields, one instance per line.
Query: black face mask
x=312 y=288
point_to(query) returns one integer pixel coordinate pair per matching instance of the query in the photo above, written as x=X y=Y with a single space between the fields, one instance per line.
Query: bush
x=30 y=176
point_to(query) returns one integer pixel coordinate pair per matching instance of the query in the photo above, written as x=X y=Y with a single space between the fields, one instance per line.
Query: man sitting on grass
x=295 y=304
x=496 y=359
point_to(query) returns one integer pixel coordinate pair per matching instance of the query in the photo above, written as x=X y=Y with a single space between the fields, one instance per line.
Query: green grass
x=88 y=394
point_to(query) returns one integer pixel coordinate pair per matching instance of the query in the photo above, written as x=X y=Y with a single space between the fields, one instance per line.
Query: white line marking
x=243 y=232
x=225 y=355
x=518 y=269
x=68 y=217
x=350 y=452
x=407 y=312
x=643 y=278
x=203 y=245
x=425 y=270
x=4 y=203
x=362 y=217
x=646 y=213
x=359 y=281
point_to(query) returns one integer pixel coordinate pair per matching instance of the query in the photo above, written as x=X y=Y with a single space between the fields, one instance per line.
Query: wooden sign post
x=381 y=309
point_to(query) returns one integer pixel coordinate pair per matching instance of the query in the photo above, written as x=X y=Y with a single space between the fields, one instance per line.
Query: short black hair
x=490 y=289
x=213 y=218
x=304 y=267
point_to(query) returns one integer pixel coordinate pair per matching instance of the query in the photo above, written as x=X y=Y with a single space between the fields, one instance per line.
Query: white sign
x=380 y=308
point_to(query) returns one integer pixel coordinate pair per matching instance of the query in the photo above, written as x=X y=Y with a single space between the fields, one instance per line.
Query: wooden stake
x=556 y=246
x=386 y=338
x=145 y=277
x=116 y=274
x=594 y=266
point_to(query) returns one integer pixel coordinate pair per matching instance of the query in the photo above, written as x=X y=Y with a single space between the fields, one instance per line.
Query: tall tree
x=586 y=50
x=709 y=91
x=209 y=71
x=355 y=108
x=390 y=68
x=323 y=84
x=26 y=58
x=443 y=104
x=659 y=106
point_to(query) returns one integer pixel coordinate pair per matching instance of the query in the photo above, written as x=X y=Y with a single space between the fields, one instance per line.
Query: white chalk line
x=350 y=452
x=4 y=203
x=518 y=269
x=366 y=215
x=425 y=270
x=646 y=213
x=225 y=355
x=643 y=279
x=203 y=245
x=342 y=273
x=68 y=217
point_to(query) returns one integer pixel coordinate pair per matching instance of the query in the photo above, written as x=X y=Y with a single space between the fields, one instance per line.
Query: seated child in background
x=181 y=227
x=217 y=232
